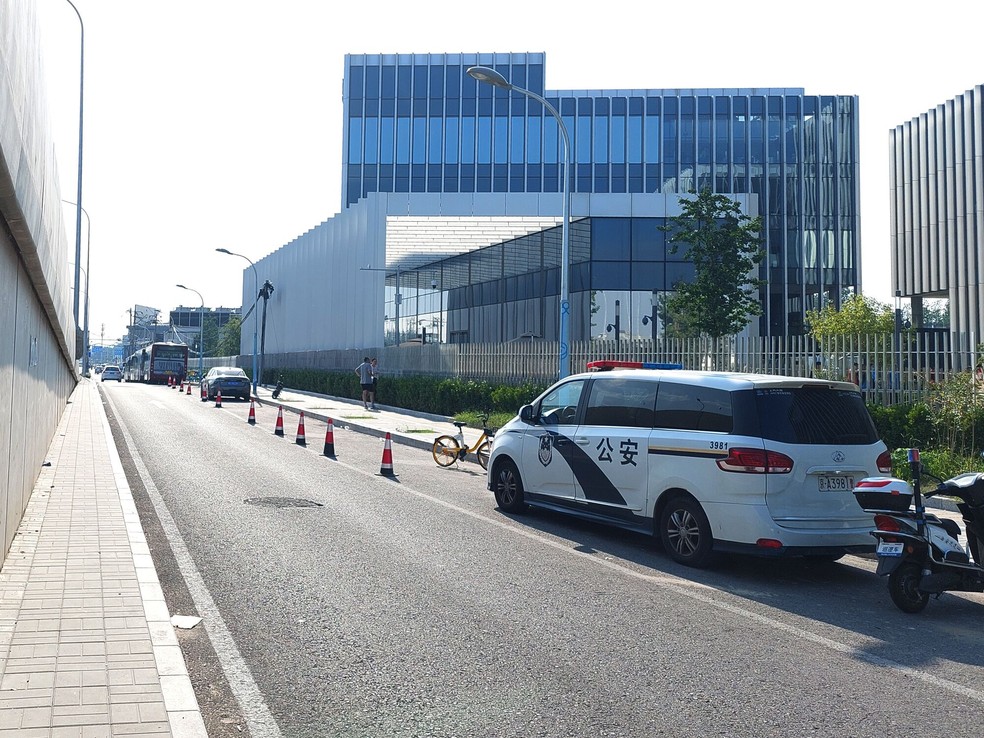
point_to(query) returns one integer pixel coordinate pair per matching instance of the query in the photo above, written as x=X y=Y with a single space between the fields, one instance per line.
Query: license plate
x=835 y=483
x=889 y=549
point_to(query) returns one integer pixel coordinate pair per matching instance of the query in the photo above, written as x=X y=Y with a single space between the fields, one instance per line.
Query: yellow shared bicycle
x=450 y=449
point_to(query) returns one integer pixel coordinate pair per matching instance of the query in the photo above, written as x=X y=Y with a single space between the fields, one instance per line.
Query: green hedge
x=438 y=395
x=946 y=440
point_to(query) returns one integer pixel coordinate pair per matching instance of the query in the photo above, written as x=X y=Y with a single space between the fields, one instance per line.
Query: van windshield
x=814 y=415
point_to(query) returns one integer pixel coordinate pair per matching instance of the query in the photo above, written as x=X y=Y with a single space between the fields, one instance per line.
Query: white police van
x=706 y=461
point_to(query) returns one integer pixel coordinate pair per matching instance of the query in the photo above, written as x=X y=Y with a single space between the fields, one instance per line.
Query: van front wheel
x=685 y=532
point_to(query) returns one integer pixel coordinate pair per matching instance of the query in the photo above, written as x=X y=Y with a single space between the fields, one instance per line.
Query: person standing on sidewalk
x=375 y=378
x=364 y=372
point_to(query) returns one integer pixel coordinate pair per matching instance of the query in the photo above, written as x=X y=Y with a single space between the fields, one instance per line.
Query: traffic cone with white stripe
x=252 y=413
x=386 y=467
x=218 y=398
x=170 y=382
x=279 y=430
x=330 y=439
x=301 y=439
x=187 y=388
x=204 y=394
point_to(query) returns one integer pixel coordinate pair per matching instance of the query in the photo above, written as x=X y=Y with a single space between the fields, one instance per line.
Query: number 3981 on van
x=707 y=462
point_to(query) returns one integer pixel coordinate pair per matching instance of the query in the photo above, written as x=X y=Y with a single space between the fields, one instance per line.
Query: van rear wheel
x=685 y=532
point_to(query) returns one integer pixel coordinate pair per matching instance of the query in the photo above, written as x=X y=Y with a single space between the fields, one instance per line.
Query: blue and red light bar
x=608 y=364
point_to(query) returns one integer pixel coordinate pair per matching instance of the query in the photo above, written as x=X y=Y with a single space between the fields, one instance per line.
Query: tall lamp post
x=201 y=332
x=78 y=193
x=88 y=253
x=256 y=291
x=492 y=77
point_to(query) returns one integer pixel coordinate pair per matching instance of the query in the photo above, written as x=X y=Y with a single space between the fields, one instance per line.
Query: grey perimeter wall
x=37 y=328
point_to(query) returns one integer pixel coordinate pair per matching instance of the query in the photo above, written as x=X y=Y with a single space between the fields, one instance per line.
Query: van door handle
x=582 y=441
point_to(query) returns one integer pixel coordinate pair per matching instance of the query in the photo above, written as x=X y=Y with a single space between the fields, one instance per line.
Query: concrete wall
x=37 y=328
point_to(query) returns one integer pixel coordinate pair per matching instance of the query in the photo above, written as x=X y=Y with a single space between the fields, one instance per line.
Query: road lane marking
x=701 y=593
x=251 y=700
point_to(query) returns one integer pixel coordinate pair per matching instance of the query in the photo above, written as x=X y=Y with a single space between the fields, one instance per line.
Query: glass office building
x=418 y=124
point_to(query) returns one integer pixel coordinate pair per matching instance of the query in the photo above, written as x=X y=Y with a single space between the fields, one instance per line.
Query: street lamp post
x=201 y=332
x=88 y=253
x=492 y=77
x=256 y=291
x=78 y=193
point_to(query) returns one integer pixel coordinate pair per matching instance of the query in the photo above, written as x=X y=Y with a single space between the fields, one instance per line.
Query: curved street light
x=256 y=291
x=201 y=332
x=88 y=253
x=78 y=193
x=491 y=77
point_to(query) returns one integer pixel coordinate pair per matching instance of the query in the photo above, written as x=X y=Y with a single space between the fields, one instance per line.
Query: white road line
x=258 y=716
x=701 y=593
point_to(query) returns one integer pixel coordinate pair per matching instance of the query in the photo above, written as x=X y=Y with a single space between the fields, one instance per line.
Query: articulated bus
x=157 y=363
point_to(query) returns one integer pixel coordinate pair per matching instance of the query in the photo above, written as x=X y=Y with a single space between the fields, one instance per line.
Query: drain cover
x=281 y=502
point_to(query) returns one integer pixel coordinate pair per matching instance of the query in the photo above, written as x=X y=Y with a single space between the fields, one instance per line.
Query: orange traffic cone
x=252 y=414
x=218 y=398
x=330 y=440
x=188 y=388
x=279 y=430
x=386 y=468
x=204 y=394
x=301 y=439
x=170 y=382
x=181 y=386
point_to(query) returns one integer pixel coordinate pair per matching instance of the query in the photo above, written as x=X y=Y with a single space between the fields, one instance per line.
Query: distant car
x=112 y=372
x=99 y=368
x=231 y=381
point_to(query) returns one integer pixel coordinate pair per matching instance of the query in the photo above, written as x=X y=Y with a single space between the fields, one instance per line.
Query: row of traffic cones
x=385 y=468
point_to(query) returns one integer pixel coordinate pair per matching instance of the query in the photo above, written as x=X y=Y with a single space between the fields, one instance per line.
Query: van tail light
x=755 y=461
x=884 y=462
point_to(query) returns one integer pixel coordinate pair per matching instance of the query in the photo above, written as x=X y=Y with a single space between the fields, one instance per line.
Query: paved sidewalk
x=86 y=643
x=407 y=427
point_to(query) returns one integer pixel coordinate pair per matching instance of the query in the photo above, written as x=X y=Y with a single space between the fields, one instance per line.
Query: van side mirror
x=526 y=414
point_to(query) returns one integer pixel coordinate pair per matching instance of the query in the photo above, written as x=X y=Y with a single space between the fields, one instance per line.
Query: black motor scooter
x=919 y=551
x=278 y=389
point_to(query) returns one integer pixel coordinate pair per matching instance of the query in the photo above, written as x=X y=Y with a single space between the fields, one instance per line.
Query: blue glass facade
x=420 y=124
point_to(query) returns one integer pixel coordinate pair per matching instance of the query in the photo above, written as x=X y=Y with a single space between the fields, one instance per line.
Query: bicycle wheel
x=483 y=452
x=445 y=450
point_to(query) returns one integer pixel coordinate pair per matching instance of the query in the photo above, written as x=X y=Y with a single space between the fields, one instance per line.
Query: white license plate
x=835 y=483
x=889 y=549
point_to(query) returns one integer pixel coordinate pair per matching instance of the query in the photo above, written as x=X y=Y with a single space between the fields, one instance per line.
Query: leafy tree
x=857 y=315
x=228 y=342
x=724 y=245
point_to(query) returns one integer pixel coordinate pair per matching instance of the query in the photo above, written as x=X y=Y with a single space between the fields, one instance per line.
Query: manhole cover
x=281 y=502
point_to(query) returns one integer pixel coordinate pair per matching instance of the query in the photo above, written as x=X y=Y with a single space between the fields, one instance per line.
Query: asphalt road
x=338 y=602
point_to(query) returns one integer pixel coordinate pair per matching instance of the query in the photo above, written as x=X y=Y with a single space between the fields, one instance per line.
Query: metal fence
x=889 y=369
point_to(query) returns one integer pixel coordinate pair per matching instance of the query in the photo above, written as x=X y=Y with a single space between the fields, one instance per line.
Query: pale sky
x=217 y=123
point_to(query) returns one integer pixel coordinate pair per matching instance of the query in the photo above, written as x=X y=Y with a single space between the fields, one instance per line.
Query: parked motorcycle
x=919 y=551
x=279 y=388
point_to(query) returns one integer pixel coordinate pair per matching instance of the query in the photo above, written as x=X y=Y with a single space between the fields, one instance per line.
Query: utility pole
x=265 y=291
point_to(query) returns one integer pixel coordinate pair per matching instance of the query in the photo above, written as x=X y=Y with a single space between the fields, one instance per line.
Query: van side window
x=559 y=407
x=688 y=407
x=621 y=402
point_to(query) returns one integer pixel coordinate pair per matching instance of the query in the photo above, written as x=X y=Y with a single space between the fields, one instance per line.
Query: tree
x=228 y=343
x=857 y=315
x=724 y=245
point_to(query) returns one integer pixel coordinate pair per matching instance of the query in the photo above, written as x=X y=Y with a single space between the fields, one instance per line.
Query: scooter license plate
x=889 y=549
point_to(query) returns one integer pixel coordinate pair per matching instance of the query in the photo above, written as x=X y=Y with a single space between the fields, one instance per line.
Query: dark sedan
x=231 y=381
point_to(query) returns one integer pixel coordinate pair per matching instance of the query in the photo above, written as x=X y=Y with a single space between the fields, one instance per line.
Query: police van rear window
x=818 y=415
